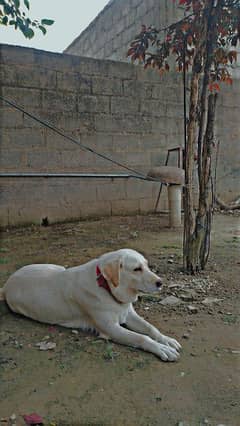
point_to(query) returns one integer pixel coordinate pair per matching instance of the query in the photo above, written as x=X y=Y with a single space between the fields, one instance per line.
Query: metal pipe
x=70 y=175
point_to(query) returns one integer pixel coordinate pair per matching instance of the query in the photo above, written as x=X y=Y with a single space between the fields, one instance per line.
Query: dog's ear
x=111 y=272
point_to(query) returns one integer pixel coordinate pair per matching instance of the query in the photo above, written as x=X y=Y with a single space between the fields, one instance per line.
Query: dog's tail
x=2 y=295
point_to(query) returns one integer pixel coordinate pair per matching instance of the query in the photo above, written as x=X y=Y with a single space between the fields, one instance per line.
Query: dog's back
x=32 y=287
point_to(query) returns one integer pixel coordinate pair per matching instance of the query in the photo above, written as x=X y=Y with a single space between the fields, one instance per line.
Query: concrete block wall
x=115 y=108
x=228 y=136
x=110 y=33
x=118 y=109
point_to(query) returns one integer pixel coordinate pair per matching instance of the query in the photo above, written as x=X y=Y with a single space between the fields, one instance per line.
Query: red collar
x=102 y=282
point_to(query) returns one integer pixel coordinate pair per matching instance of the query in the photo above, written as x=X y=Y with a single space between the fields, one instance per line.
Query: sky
x=70 y=20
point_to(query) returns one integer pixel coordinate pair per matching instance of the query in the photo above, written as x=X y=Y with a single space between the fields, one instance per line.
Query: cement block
x=44 y=161
x=96 y=209
x=9 y=118
x=27 y=76
x=69 y=81
x=59 y=101
x=23 y=139
x=24 y=97
x=120 y=104
x=106 y=86
x=112 y=190
x=146 y=205
x=123 y=207
x=137 y=189
x=12 y=55
x=90 y=103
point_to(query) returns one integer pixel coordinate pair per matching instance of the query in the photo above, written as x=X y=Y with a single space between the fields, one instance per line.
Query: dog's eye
x=139 y=269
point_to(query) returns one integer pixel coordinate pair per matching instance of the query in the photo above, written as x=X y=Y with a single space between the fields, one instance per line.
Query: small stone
x=186 y=336
x=192 y=309
x=46 y=346
x=170 y=301
x=188 y=295
x=46 y=338
x=170 y=261
x=175 y=286
x=211 y=300
x=75 y=332
x=13 y=418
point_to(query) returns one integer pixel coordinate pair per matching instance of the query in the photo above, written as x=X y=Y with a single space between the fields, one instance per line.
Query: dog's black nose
x=159 y=283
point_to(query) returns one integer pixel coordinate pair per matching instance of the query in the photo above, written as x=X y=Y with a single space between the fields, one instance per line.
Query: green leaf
x=47 y=22
x=16 y=3
x=5 y=20
x=26 y=2
x=43 y=29
x=28 y=32
x=7 y=9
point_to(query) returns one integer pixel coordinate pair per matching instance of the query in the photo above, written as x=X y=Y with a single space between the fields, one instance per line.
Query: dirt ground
x=88 y=381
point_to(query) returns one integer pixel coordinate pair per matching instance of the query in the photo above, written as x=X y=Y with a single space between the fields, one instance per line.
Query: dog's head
x=128 y=274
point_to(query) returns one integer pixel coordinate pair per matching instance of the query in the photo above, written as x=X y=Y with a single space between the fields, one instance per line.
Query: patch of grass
x=141 y=363
x=171 y=246
x=109 y=354
x=230 y=319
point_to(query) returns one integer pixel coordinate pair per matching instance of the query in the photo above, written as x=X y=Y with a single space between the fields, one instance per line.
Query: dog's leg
x=126 y=337
x=137 y=323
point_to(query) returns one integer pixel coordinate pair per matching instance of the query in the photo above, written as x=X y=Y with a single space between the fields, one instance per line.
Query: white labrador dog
x=97 y=295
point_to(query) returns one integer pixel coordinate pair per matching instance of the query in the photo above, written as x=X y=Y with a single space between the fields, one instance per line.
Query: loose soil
x=88 y=381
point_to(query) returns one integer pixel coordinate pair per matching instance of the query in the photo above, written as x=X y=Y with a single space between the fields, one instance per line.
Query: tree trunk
x=188 y=200
x=197 y=227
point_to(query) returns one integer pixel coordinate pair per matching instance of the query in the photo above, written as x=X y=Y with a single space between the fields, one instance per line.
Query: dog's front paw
x=167 y=353
x=172 y=343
